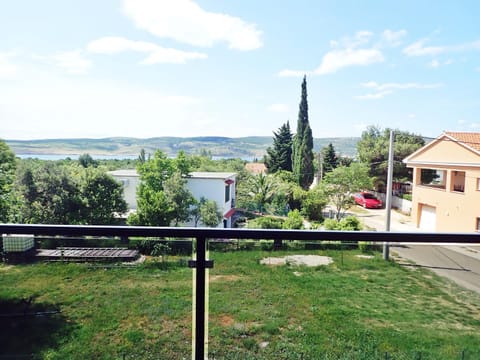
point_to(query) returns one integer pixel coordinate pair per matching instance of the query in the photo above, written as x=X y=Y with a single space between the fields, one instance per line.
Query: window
x=478 y=225
x=458 y=181
x=227 y=192
x=433 y=178
x=478 y=184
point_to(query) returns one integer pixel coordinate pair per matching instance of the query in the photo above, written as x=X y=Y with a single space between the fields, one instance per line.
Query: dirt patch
x=298 y=260
x=225 y=320
x=214 y=278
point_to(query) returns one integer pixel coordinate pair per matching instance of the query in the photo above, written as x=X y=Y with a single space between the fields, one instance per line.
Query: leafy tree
x=344 y=161
x=51 y=195
x=85 y=160
x=102 y=198
x=279 y=157
x=210 y=213
x=261 y=189
x=340 y=184
x=161 y=195
x=373 y=150
x=329 y=158
x=302 y=152
x=314 y=203
x=180 y=199
x=7 y=181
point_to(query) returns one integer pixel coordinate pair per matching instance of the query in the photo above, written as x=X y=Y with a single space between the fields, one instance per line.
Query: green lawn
x=351 y=309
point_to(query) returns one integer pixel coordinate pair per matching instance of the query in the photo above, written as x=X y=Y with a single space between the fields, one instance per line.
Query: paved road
x=460 y=264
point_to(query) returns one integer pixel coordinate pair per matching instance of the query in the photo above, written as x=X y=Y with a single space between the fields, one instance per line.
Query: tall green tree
x=279 y=157
x=302 y=152
x=7 y=181
x=102 y=198
x=340 y=184
x=51 y=195
x=329 y=158
x=162 y=198
x=373 y=151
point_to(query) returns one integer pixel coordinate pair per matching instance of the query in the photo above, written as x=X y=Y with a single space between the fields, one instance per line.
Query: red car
x=367 y=200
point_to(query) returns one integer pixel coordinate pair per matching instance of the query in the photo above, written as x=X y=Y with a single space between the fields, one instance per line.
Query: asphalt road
x=458 y=263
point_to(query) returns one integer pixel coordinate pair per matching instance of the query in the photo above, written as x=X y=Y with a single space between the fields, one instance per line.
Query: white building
x=217 y=186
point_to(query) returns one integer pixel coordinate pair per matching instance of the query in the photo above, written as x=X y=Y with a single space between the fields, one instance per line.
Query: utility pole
x=388 y=203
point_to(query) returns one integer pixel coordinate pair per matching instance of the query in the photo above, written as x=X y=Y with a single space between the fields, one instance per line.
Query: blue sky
x=147 y=68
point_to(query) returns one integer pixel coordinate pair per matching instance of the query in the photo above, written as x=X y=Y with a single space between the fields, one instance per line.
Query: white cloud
x=187 y=22
x=346 y=52
x=418 y=48
x=73 y=62
x=394 y=38
x=373 y=96
x=381 y=90
x=402 y=86
x=279 y=108
x=7 y=68
x=338 y=59
x=434 y=63
x=292 y=73
x=156 y=54
x=412 y=116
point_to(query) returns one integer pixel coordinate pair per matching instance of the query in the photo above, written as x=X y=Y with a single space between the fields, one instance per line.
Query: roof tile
x=471 y=139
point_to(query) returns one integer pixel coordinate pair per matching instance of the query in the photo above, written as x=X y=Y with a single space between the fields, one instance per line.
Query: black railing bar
x=209 y=233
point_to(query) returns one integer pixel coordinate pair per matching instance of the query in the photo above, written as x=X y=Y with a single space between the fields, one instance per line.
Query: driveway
x=459 y=263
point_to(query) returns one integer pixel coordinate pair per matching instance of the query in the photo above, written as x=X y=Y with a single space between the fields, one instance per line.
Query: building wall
x=210 y=188
x=455 y=211
x=213 y=189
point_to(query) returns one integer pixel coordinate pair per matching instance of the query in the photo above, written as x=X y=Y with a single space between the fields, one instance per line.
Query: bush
x=313 y=205
x=350 y=223
x=294 y=220
x=266 y=222
x=406 y=197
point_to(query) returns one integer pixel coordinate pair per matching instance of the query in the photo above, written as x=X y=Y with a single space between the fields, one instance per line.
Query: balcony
x=171 y=295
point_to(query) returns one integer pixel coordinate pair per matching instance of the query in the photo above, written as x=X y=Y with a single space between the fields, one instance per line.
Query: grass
x=351 y=309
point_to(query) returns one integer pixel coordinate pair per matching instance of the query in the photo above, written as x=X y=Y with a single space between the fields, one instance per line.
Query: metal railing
x=202 y=235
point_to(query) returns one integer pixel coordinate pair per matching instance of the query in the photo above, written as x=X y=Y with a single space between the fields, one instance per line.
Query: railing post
x=200 y=264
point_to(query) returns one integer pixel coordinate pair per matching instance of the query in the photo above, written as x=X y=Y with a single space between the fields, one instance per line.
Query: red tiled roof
x=471 y=139
x=256 y=168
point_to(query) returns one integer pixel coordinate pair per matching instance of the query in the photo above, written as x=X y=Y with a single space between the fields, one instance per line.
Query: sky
x=148 y=68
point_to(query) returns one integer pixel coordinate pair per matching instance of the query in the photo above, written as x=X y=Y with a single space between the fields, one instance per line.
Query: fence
x=201 y=237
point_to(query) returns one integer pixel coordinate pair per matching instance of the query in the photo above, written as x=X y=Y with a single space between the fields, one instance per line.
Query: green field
x=352 y=309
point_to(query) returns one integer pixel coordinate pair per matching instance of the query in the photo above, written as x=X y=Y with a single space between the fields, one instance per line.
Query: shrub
x=350 y=223
x=266 y=222
x=294 y=220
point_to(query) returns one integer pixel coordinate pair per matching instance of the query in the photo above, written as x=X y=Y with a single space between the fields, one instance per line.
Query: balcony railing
x=203 y=235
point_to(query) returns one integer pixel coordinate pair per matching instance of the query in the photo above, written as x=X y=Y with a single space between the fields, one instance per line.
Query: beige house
x=446 y=183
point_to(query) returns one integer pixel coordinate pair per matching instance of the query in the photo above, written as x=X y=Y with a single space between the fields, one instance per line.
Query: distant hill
x=244 y=147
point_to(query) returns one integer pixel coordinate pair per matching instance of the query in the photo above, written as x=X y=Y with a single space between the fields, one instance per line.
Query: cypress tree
x=329 y=158
x=302 y=153
x=279 y=157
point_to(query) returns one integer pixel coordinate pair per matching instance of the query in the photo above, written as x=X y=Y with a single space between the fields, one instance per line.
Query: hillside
x=243 y=147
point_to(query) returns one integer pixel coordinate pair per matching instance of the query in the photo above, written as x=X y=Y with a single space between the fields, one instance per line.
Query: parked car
x=367 y=200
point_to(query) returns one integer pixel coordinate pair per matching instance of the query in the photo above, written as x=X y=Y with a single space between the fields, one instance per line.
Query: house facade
x=446 y=183
x=217 y=186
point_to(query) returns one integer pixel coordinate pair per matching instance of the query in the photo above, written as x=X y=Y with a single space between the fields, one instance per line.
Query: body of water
x=73 y=156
